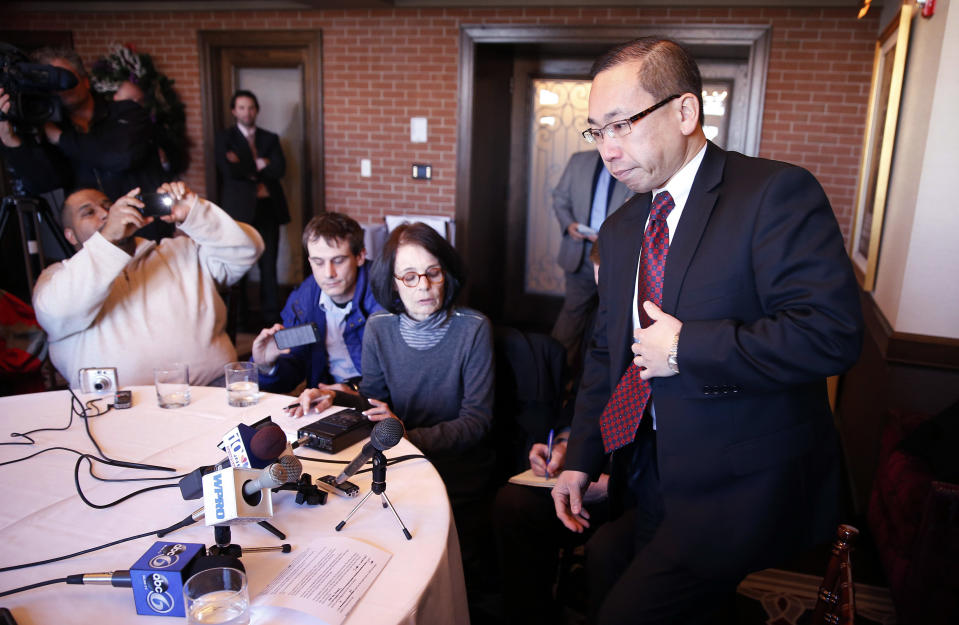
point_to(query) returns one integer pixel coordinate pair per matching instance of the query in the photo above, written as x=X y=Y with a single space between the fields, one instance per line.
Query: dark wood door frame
x=471 y=204
x=309 y=44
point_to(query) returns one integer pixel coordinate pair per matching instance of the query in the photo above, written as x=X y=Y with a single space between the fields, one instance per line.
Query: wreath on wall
x=125 y=65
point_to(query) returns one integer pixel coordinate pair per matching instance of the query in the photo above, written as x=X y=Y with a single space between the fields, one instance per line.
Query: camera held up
x=32 y=88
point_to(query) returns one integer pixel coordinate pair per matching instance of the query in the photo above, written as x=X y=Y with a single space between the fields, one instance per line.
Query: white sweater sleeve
x=226 y=248
x=68 y=295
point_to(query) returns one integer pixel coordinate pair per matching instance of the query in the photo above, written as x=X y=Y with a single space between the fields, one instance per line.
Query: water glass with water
x=218 y=595
x=242 y=384
x=172 y=385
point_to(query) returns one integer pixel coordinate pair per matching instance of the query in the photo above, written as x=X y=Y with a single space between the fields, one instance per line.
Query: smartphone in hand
x=298 y=335
x=156 y=204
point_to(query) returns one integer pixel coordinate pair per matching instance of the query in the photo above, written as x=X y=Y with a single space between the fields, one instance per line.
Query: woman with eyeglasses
x=429 y=363
x=425 y=361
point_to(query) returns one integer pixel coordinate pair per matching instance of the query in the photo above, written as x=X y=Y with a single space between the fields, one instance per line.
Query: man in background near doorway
x=585 y=196
x=251 y=162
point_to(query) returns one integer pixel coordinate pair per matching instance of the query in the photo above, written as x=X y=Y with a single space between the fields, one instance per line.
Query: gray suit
x=573 y=201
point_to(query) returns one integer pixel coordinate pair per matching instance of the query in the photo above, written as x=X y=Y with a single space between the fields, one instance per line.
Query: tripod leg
x=272 y=529
x=340 y=525
x=406 y=532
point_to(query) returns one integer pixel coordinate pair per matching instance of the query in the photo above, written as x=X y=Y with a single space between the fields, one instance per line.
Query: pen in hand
x=313 y=402
x=549 y=450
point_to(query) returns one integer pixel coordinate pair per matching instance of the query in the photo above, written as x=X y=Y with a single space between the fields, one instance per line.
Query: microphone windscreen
x=268 y=443
x=292 y=467
x=387 y=433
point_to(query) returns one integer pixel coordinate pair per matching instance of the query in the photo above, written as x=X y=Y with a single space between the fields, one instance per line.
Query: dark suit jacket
x=238 y=197
x=573 y=201
x=758 y=274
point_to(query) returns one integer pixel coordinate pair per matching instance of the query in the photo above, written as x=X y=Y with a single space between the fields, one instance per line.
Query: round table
x=43 y=516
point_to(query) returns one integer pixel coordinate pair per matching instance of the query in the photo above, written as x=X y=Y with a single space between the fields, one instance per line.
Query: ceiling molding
x=128 y=6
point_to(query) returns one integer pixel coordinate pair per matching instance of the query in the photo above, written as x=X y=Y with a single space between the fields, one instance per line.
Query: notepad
x=528 y=478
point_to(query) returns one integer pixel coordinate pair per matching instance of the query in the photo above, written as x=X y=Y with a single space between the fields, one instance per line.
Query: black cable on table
x=32 y=586
x=389 y=461
x=119 y=463
x=27 y=565
x=76 y=481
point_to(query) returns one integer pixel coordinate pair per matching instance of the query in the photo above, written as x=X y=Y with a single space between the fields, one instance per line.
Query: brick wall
x=382 y=67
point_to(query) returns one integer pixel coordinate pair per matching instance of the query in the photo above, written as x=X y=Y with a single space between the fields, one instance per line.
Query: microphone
x=157 y=578
x=286 y=469
x=225 y=503
x=385 y=434
x=233 y=496
x=253 y=448
x=247 y=448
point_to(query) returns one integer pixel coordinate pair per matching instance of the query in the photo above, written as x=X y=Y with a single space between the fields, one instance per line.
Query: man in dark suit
x=251 y=163
x=585 y=195
x=730 y=275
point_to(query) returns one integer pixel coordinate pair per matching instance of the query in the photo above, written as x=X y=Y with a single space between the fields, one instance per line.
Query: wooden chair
x=836 y=604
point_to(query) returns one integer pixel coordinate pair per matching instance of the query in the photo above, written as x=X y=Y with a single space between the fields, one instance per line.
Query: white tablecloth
x=42 y=517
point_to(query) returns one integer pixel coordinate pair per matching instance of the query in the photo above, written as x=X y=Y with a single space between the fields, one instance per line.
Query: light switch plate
x=418 y=130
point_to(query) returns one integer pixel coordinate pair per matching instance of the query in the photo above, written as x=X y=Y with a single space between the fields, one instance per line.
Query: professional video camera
x=32 y=87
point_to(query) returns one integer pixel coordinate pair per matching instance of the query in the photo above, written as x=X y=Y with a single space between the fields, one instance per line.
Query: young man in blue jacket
x=337 y=298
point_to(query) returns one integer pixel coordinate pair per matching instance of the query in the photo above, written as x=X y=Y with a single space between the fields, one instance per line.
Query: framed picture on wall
x=880 y=137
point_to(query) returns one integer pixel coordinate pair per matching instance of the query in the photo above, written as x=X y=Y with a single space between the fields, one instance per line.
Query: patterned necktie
x=621 y=415
x=261 y=190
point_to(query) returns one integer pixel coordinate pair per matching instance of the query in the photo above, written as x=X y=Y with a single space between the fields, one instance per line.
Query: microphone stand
x=223 y=538
x=379 y=488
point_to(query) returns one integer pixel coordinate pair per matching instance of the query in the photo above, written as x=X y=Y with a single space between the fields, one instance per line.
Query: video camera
x=32 y=88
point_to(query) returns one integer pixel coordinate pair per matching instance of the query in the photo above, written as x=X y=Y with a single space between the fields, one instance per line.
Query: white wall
x=917 y=287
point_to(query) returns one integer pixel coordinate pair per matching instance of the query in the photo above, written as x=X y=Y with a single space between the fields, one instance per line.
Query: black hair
x=383 y=282
x=243 y=93
x=666 y=67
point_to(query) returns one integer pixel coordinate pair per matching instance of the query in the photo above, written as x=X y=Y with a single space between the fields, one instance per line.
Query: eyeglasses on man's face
x=412 y=279
x=622 y=127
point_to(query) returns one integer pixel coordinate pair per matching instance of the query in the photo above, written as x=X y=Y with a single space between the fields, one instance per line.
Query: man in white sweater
x=133 y=304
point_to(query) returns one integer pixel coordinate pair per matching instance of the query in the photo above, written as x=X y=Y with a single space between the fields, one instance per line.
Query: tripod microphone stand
x=378 y=488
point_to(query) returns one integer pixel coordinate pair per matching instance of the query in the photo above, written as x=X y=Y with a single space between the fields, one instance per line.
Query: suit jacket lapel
x=692 y=224
x=630 y=228
x=621 y=193
x=240 y=145
x=259 y=140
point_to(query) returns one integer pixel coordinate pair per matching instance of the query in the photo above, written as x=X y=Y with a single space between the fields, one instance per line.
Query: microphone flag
x=224 y=502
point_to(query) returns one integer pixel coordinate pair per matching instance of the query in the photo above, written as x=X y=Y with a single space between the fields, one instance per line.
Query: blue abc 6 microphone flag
x=158 y=578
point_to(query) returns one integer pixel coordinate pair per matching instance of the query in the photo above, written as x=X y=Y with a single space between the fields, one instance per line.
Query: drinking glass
x=242 y=387
x=172 y=385
x=218 y=595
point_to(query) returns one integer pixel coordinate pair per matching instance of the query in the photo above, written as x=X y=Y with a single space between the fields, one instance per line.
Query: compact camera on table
x=103 y=381
x=99 y=380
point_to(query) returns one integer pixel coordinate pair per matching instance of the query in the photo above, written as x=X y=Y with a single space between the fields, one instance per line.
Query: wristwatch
x=672 y=358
